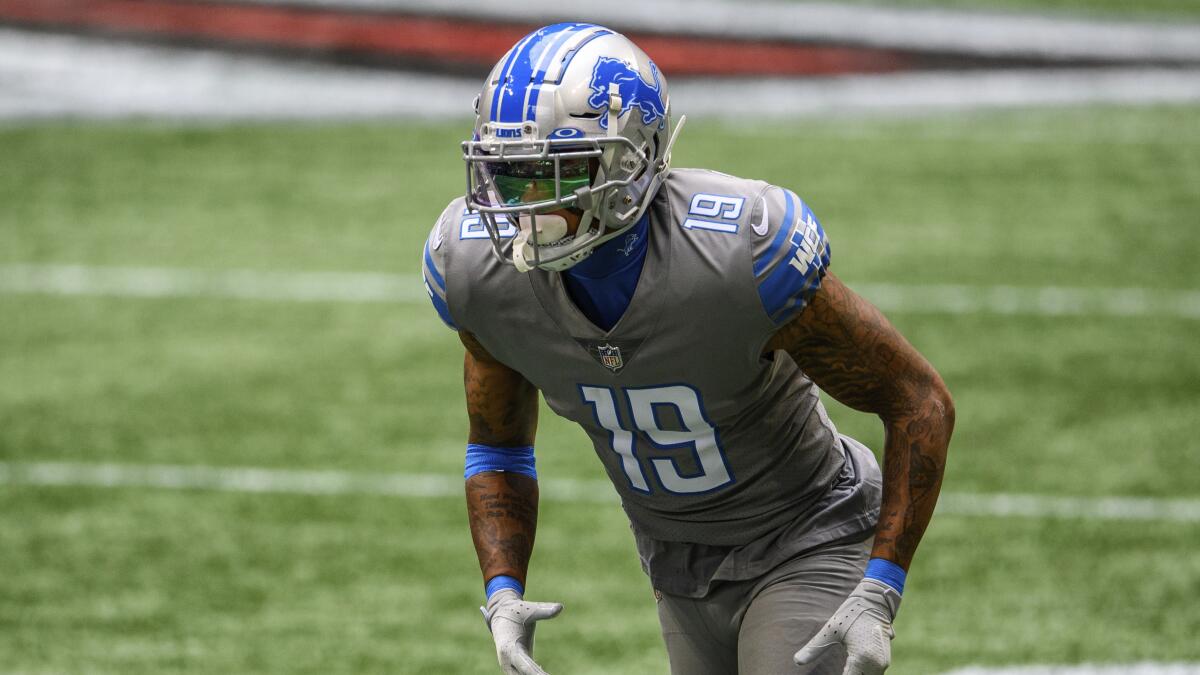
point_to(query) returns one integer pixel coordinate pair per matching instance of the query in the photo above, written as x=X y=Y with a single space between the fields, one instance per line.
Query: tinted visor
x=531 y=182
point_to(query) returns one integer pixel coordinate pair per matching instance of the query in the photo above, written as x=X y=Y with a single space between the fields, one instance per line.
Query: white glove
x=864 y=625
x=512 y=621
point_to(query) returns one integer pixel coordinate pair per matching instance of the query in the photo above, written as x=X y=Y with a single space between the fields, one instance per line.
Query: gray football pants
x=754 y=627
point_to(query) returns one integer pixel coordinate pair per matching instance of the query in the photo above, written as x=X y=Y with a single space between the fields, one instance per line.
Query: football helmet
x=573 y=116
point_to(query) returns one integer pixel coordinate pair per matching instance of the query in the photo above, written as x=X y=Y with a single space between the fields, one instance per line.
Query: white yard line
x=1037 y=301
x=164 y=282
x=1004 y=505
x=258 y=480
x=158 y=282
x=1145 y=668
x=285 y=481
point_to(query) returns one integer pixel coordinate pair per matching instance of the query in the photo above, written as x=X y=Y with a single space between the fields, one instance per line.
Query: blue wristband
x=887 y=572
x=501 y=582
x=482 y=458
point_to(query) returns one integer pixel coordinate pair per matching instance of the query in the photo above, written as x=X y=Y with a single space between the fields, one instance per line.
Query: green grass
x=151 y=581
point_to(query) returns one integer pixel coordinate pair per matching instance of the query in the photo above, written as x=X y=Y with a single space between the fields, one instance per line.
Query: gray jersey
x=724 y=458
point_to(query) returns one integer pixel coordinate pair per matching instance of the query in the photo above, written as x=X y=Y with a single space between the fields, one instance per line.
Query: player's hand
x=512 y=621
x=863 y=624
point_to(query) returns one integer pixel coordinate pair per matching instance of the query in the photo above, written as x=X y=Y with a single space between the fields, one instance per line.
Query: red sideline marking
x=461 y=42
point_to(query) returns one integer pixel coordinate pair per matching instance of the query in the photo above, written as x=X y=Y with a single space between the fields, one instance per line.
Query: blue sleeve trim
x=798 y=300
x=482 y=458
x=433 y=270
x=787 y=289
x=430 y=272
x=440 y=305
x=501 y=582
x=781 y=236
x=888 y=572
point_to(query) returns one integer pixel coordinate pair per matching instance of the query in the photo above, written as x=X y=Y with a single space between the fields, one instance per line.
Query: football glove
x=512 y=620
x=863 y=624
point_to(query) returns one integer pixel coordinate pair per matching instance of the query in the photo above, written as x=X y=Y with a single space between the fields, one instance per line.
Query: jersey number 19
x=697 y=433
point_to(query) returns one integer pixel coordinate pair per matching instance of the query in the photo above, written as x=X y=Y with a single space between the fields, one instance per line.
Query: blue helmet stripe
x=600 y=32
x=521 y=73
x=548 y=59
x=501 y=85
x=512 y=105
x=781 y=236
x=543 y=64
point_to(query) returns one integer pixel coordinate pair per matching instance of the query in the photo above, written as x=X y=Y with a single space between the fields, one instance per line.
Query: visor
x=531 y=182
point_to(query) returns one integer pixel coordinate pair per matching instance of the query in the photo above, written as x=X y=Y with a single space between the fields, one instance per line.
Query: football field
x=232 y=427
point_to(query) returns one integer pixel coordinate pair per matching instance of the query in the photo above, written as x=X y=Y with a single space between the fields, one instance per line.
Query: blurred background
x=231 y=426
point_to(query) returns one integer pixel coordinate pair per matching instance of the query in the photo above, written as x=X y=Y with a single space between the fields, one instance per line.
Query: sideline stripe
x=285 y=481
x=156 y=282
x=1144 y=668
x=990 y=33
x=55 y=76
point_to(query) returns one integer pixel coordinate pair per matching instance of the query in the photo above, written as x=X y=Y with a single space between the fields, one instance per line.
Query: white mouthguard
x=550 y=228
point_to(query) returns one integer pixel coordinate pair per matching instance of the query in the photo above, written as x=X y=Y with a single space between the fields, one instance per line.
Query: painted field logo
x=634 y=90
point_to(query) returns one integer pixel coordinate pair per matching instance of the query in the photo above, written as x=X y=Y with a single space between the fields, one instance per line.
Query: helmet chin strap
x=549 y=229
x=666 y=156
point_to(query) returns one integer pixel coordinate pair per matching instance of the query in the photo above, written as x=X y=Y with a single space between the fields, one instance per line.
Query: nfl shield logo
x=610 y=357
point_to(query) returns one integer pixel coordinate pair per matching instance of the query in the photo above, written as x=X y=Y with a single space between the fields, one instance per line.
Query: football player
x=685 y=319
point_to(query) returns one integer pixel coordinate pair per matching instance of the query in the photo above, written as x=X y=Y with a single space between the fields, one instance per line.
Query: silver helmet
x=574 y=116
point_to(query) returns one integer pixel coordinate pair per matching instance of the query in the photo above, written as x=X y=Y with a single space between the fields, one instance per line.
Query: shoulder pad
x=713 y=201
x=791 y=253
x=433 y=261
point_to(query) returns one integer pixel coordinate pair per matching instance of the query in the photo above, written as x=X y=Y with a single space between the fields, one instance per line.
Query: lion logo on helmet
x=634 y=90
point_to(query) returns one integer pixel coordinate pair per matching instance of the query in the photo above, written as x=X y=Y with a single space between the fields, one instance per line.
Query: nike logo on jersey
x=763 y=225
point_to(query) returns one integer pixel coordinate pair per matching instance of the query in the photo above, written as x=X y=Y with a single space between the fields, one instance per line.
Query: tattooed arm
x=502 y=507
x=851 y=351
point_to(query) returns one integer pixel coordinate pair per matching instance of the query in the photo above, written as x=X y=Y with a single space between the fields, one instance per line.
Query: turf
x=147 y=581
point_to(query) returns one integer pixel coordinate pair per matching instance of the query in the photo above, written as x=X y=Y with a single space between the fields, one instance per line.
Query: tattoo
x=502 y=509
x=501 y=403
x=851 y=351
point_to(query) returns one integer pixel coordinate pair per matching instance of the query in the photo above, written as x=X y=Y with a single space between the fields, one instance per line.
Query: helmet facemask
x=567 y=96
x=521 y=183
